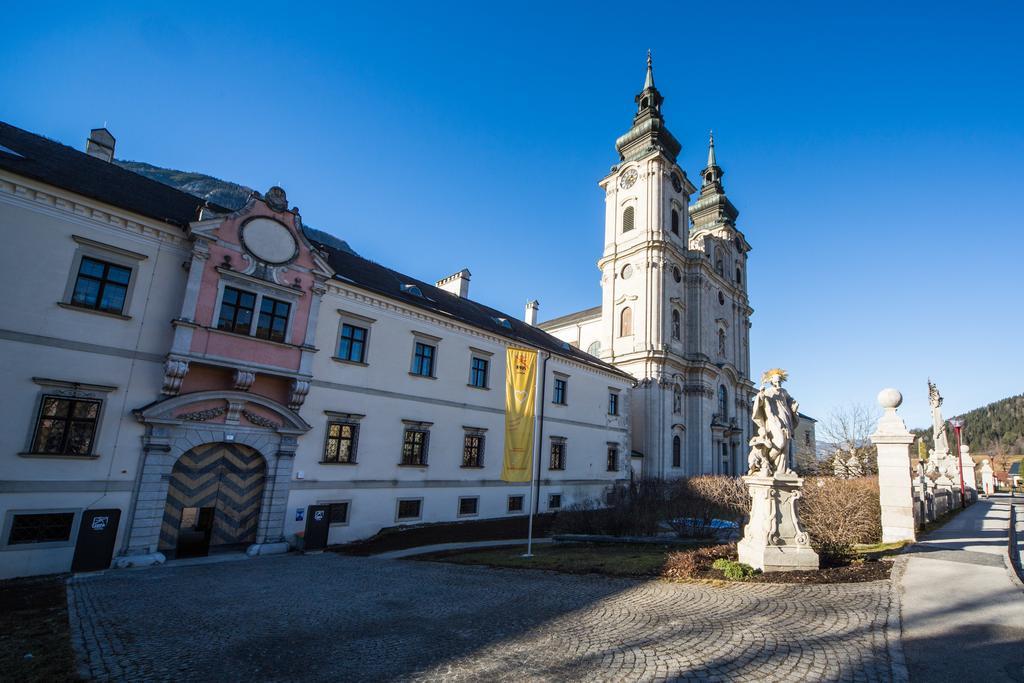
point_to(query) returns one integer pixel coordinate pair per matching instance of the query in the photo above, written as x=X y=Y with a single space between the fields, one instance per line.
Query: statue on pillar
x=775 y=414
x=938 y=425
x=773 y=539
x=942 y=466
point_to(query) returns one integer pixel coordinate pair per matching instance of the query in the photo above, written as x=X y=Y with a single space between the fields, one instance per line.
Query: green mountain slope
x=997 y=427
x=229 y=195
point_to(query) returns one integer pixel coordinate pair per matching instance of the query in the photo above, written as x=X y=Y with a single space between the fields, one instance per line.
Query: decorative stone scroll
x=174 y=372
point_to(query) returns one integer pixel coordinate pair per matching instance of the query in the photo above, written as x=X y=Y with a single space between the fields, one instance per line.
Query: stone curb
x=78 y=649
x=894 y=622
x=1015 y=546
x=441 y=547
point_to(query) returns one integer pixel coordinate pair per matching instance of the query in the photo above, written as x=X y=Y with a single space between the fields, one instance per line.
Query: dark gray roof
x=806 y=417
x=366 y=274
x=39 y=158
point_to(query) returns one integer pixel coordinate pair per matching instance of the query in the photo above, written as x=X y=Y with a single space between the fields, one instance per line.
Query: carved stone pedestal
x=773 y=540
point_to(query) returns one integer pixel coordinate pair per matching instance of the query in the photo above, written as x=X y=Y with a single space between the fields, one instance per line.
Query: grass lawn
x=35 y=641
x=879 y=548
x=575 y=558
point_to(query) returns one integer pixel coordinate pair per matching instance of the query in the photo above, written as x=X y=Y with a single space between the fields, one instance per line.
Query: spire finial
x=649 y=80
x=711 y=150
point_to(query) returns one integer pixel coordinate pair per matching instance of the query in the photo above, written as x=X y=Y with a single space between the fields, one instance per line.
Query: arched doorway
x=213 y=499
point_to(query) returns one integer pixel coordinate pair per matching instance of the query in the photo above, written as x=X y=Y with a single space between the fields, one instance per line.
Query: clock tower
x=674 y=312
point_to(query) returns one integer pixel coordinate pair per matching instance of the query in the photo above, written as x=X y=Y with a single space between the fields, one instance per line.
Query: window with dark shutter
x=627 y=219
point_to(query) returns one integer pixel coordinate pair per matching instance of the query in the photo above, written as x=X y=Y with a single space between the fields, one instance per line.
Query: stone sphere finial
x=890 y=398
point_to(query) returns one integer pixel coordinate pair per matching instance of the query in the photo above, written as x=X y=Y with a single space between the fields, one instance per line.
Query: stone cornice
x=68 y=206
x=367 y=298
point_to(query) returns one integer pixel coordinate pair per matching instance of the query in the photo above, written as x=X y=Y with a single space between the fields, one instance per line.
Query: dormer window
x=414 y=290
x=504 y=322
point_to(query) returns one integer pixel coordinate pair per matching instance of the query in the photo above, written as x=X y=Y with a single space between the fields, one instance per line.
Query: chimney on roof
x=100 y=144
x=531 y=312
x=457 y=283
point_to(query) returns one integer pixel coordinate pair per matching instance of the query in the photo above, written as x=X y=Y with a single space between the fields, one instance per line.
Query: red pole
x=960 y=468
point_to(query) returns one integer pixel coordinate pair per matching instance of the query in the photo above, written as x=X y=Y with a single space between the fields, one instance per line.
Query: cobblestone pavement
x=329 y=618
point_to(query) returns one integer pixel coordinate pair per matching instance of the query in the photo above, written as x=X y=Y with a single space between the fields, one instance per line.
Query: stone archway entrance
x=213 y=499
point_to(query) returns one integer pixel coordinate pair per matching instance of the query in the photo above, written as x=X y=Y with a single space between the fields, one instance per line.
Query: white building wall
x=41 y=340
x=385 y=393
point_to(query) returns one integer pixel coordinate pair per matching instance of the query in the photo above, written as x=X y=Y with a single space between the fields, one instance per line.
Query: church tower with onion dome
x=674 y=310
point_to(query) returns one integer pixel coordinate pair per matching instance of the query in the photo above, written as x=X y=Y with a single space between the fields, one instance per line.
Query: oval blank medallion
x=269 y=241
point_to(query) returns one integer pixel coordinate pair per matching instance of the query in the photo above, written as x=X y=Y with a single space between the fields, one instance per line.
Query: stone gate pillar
x=892 y=439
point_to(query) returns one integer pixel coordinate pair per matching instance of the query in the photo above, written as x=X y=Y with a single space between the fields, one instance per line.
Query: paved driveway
x=331 y=618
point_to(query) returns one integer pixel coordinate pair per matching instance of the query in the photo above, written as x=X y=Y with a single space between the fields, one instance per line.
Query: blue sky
x=875 y=151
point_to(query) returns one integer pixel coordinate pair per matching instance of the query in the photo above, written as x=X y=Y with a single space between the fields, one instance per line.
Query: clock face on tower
x=628 y=178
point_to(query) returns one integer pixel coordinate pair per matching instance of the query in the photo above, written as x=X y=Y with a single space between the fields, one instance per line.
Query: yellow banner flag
x=520 y=397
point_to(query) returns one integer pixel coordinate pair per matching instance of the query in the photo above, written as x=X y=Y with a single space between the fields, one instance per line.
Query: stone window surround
x=66 y=389
x=429 y=340
x=474 y=431
x=522 y=504
x=560 y=501
x=350 y=318
x=353 y=419
x=458 y=509
x=260 y=288
x=399 y=501
x=104 y=252
x=618 y=401
x=618 y=452
x=475 y=353
x=8 y=522
x=419 y=426
x=556 y=375
x=563 y=442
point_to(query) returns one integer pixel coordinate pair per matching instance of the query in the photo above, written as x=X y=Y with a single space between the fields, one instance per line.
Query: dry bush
x=688 y=564
x=838 y=513
x=696 y=502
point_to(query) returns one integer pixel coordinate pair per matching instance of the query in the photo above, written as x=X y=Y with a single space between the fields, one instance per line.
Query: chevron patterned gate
x=226 y=477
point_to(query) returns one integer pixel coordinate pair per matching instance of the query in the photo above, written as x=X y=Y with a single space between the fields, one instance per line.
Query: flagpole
x=535 y=460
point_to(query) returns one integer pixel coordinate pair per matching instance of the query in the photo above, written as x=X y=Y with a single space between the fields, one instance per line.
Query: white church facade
x=674 y=309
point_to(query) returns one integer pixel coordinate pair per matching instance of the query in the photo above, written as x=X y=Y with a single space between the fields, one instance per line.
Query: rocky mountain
x=227 y=194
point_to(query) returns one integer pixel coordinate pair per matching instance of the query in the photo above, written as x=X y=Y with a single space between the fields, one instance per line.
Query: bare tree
x=847 y=432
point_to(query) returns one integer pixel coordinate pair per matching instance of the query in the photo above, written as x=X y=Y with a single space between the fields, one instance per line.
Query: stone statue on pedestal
x=942 y=466
x=775 y=414
x=773 y=539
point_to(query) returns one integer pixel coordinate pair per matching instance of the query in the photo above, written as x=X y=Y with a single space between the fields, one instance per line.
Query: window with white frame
x=409 y=509
x=338 y=513
x=554 y=501
x=101 y=278
x=515 y=503
x=479 y=368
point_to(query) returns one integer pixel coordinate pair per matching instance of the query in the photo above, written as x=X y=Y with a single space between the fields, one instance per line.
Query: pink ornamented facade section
x=252 y=258
x=230 y=264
